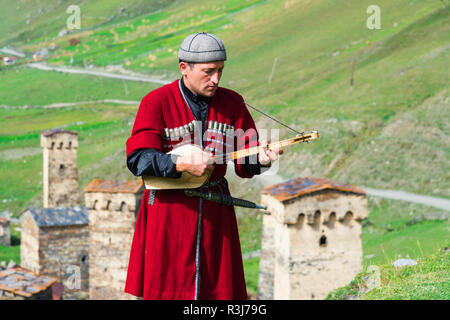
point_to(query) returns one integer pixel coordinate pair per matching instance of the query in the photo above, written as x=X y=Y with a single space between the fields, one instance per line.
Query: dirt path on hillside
x=44 y=67
x=71 y=104
x=439 y=203
x=12 y=52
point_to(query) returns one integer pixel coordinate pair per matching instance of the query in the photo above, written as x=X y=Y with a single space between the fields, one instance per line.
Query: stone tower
x=113 y=208
x=61 y=188
x=311 y=242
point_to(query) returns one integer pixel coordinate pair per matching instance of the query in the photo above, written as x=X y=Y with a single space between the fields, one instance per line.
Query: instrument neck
x=255 y=150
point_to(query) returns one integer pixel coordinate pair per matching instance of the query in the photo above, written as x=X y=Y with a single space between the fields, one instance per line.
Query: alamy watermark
x=373 y=279
x=74 y=20
x=374 y=20
x=74 y=277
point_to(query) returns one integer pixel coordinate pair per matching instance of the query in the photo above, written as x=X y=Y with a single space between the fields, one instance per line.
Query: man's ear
x=183 y=68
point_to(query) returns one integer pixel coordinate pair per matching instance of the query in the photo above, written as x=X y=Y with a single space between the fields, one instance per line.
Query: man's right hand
x=196 y=163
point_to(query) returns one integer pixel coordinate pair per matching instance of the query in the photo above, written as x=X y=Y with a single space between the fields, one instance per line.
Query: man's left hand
x=265 y=156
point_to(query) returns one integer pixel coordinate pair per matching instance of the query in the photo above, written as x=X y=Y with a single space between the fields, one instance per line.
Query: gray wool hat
x=202 y=47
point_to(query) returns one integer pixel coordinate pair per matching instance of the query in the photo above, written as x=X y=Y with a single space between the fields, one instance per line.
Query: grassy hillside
x=397 y=229
x=389 y=130
x=33 y=21
x=428 y=280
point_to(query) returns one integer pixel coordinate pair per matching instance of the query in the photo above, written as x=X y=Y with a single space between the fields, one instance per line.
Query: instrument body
x=188 y=181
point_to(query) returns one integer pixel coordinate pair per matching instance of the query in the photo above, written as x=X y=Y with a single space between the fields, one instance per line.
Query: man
x=183 y=247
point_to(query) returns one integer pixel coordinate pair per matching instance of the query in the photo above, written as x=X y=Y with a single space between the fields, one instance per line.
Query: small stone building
x=21 y=284
x=311 y=241
x=55 y=242
x=113 y=208
x=5 y=234
x=61 y=188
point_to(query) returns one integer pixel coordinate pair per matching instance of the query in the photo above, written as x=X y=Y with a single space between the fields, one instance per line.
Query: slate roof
x=57 y=130
x=24 y=282
x=114 y=186
x=59 y=216
x=301 y=186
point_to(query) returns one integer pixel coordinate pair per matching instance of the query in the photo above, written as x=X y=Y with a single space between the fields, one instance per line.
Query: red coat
x=162 y=259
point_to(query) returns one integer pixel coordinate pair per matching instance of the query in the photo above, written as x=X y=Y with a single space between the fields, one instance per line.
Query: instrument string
x=284 y=125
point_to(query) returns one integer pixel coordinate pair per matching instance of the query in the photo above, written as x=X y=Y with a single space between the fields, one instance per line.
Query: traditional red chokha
x=184 y=248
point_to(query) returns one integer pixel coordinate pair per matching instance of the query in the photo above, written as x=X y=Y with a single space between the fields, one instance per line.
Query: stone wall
x=315 y=259
x=58 y=251
x=328 y=202
x=29 y=243
x=112 y=218
x=5 y=234
x=267 y=259
x=64 y=254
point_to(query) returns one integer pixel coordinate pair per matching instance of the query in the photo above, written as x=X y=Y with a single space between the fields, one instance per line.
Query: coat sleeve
x=153 y=163
x=148 y=128
x=246 y=137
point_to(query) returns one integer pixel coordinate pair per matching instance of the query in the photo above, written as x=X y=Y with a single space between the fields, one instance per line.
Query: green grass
x=8 y=253
x=251 y=270
x=12 y=252
x=397 y=229
x=428 y=280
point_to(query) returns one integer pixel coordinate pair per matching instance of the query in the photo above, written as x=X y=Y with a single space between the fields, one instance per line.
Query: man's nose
x=215 y=78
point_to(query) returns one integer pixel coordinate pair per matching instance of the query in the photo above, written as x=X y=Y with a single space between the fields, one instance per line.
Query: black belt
x=221 y=197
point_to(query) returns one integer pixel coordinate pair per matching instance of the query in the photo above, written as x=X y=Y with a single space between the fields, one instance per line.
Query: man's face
x=203 y=78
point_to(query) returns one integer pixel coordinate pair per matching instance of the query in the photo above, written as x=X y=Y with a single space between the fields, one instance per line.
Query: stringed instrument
x=189 y=181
